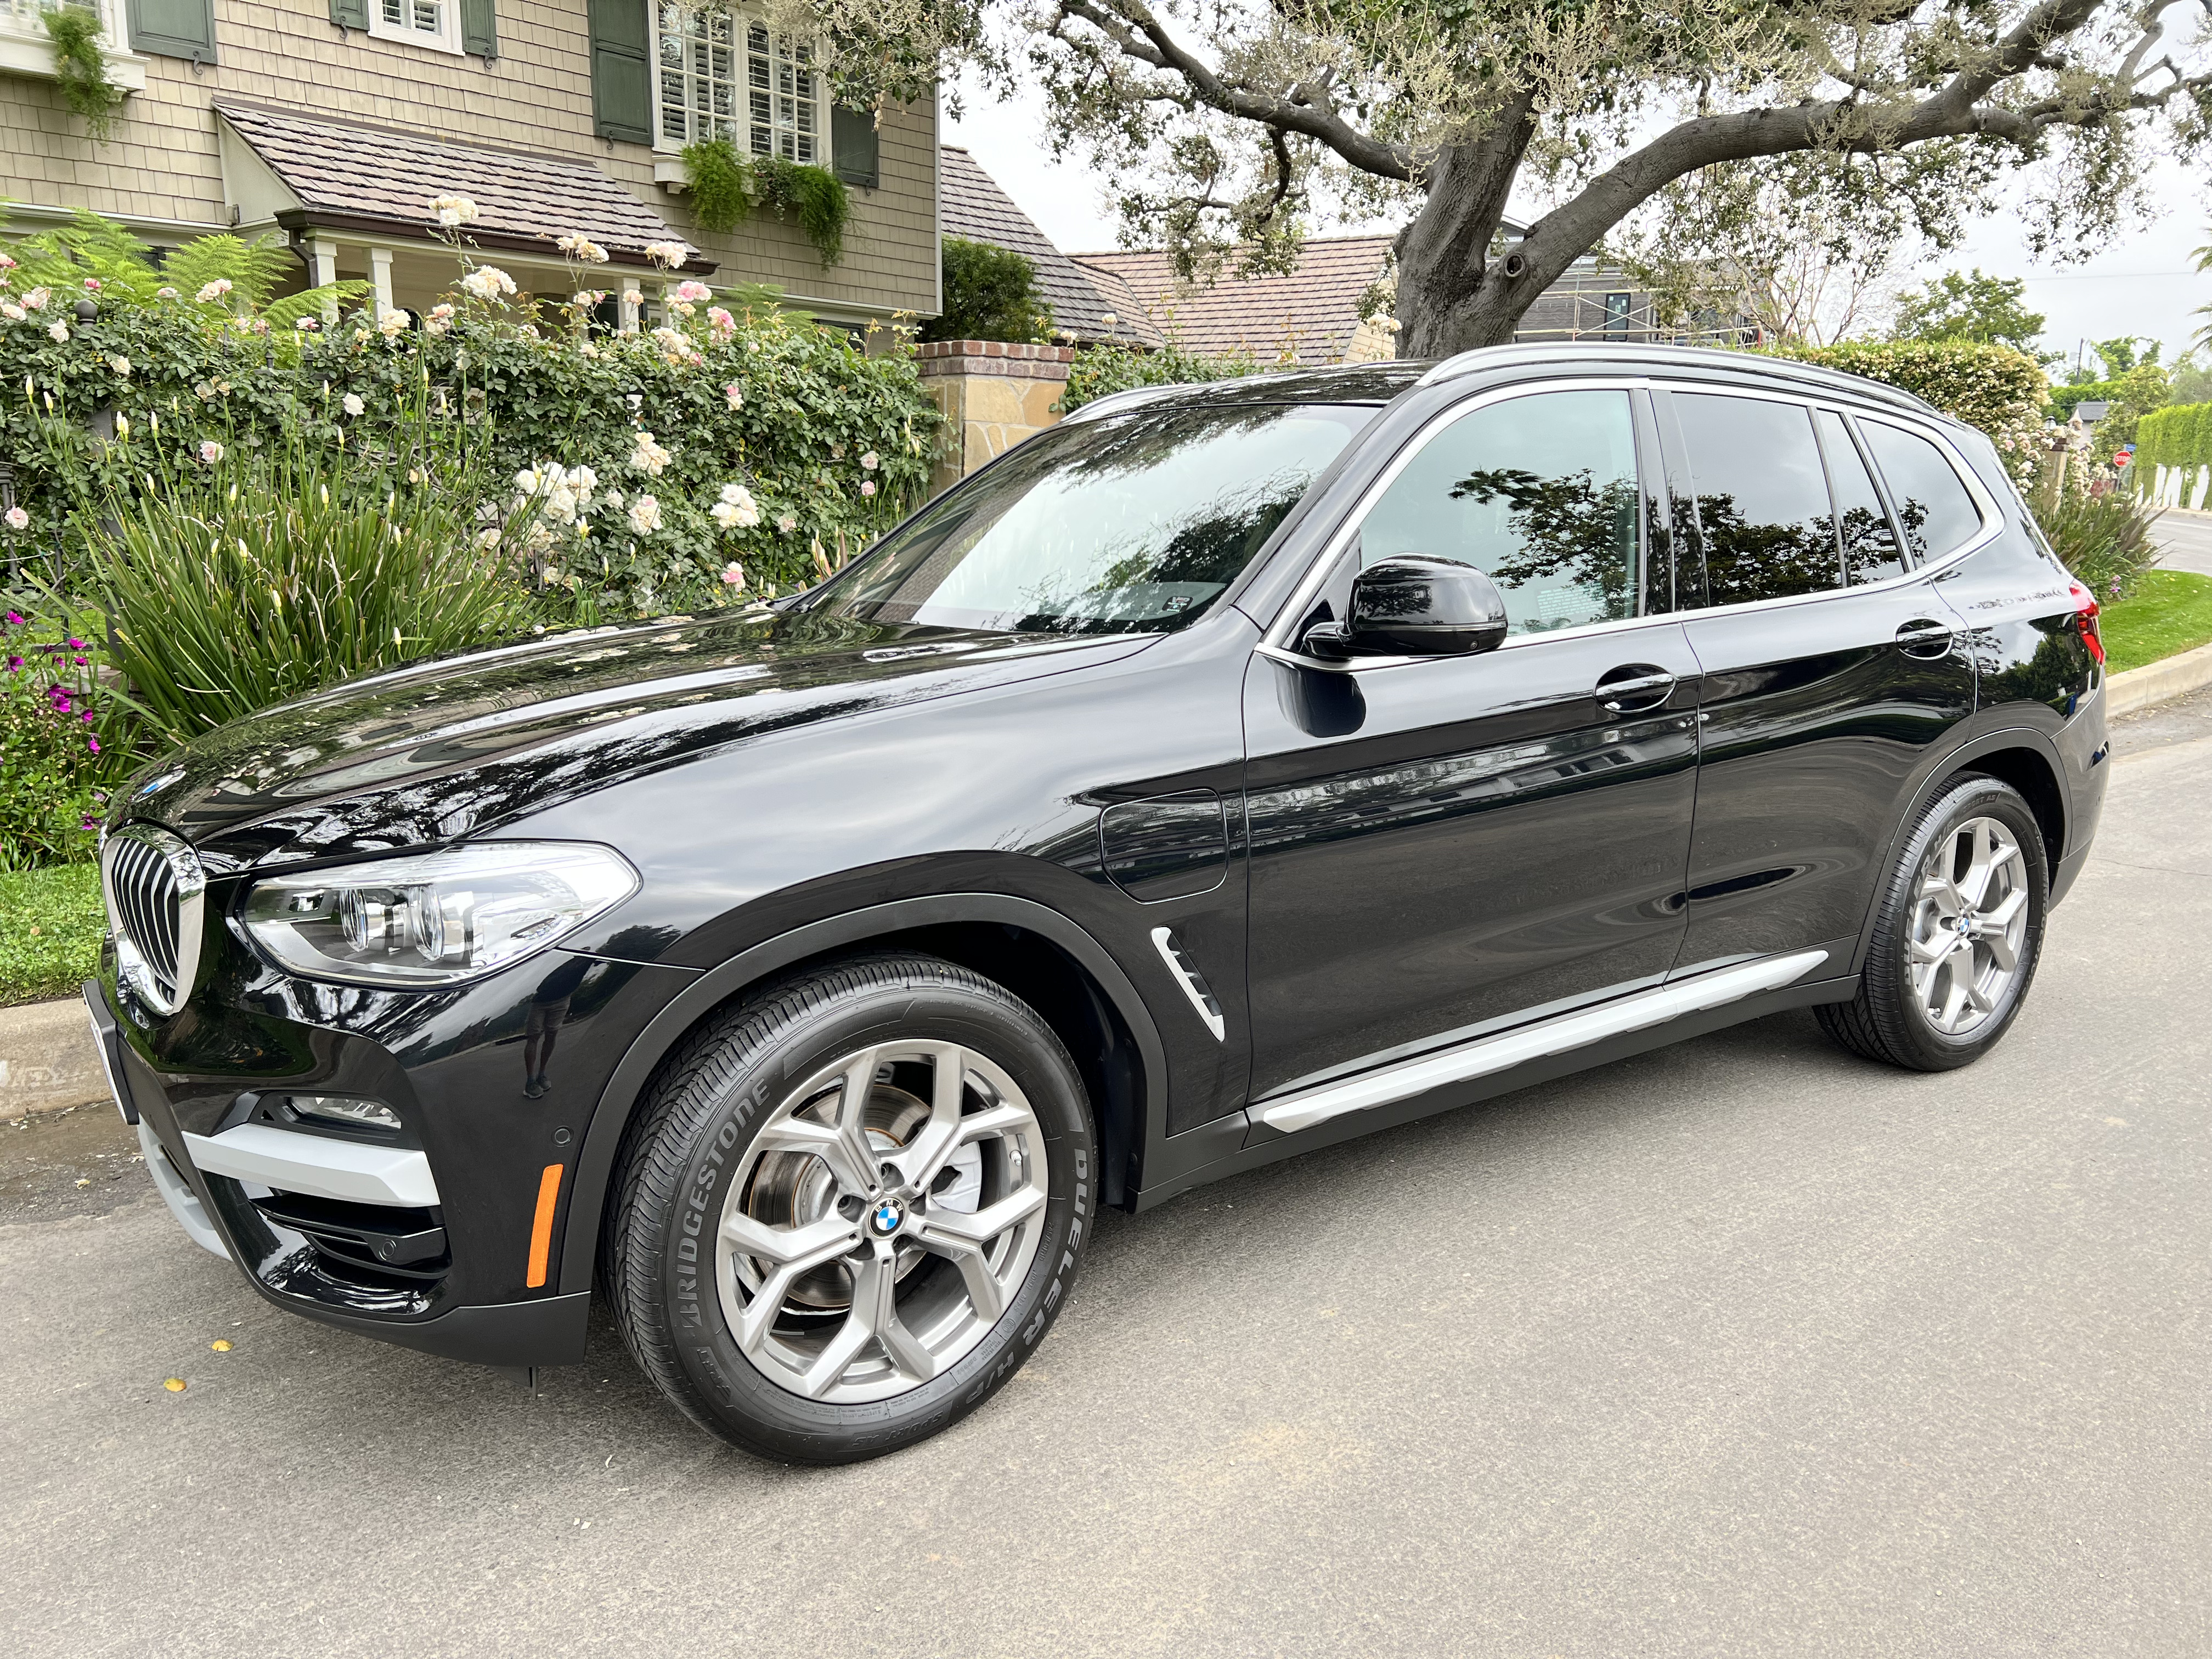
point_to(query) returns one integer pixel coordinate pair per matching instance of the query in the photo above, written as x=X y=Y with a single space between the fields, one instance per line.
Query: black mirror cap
x=1417 y=606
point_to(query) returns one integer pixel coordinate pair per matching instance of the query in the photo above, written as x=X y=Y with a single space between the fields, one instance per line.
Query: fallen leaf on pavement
x=221 y=1345
x=173 y=1384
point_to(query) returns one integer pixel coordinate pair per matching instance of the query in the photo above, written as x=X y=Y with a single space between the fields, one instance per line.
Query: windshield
x=1131 y=523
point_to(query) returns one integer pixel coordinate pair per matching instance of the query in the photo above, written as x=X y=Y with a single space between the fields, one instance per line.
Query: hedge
x=1993 y=388
x=833 y=443
x=2178 y=435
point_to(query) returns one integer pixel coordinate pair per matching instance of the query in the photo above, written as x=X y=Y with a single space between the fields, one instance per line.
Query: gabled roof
x=1311 y=315
x=971 y=205
x=349 y=176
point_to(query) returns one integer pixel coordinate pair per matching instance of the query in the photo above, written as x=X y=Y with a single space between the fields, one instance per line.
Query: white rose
x=645 y=515
x=351 y=403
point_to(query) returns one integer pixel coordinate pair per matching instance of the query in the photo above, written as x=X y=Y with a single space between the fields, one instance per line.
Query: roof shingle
x=1309 y=316
x=974 y=207
x=353 y=171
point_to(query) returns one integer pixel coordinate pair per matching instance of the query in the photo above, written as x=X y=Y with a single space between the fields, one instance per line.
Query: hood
x=456 y=746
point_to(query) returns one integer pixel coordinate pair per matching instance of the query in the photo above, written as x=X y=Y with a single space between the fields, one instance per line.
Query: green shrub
x=990 y=294
x=63 y=738
x=1100 y=371
x=832 y=445
x=721 y=185
x=2104 y=539
x=1993 y=388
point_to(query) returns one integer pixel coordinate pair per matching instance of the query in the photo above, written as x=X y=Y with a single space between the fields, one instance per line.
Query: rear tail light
x=2085 y=618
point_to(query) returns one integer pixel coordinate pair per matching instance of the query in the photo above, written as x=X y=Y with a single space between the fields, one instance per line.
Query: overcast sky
x=2145 y=285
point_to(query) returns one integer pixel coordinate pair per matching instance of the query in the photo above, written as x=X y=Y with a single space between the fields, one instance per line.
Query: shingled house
x=333 y=123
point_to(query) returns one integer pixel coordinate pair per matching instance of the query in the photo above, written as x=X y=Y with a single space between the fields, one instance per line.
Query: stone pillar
x=994 y=394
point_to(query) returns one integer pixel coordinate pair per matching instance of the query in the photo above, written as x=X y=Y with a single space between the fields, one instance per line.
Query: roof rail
x=1481 y=357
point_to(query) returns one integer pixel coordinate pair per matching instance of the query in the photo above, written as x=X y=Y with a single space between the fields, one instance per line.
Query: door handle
x=1924 y=638
x=1633 y=687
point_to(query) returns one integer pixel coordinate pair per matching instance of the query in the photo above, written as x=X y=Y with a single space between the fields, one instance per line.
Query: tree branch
x=1141 y=36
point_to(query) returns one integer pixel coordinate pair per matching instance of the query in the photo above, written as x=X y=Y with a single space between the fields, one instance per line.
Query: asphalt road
x=1745 y=1347
x=2187 y=540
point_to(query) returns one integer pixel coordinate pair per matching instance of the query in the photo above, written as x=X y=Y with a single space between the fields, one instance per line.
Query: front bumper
x=427 y=1240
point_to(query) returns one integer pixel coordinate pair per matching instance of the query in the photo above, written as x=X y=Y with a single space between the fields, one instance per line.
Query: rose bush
x=746 y=395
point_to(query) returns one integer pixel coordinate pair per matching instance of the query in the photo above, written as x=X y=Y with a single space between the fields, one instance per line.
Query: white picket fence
x=2189 y=487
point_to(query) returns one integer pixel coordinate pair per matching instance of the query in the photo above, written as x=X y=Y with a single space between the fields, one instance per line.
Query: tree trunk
x=1452 y=295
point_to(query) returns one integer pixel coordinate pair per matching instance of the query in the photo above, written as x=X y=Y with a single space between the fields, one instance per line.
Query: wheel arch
x=2020 y=755
x=1038 y=953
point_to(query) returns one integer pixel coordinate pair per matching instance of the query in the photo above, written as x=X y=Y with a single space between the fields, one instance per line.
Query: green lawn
x=2171 y=612
x=49 y=927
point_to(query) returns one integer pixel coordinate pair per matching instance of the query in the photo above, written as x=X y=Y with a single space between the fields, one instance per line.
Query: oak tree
x=1232 y=125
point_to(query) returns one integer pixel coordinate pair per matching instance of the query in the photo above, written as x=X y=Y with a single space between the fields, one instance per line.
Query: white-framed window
x=720 y=77
x=432 y=23
x=27 y=49
x=27 y=17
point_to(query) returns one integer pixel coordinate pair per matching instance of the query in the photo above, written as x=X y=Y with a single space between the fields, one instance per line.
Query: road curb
x=2153 y=682
x=47 y=1060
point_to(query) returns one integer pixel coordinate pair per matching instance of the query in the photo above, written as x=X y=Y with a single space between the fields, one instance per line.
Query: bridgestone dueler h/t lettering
x=851 y=1207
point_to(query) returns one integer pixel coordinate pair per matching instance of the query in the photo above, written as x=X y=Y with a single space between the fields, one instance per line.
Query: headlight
x=434 y=918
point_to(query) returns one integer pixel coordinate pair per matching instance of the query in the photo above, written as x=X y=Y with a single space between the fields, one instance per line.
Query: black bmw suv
x=1224 y=773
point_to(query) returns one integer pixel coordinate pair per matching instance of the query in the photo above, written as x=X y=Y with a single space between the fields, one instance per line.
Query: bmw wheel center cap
x=887 y=1217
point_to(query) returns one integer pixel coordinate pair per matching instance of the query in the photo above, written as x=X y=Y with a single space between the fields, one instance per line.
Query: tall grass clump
x=2104 y=539
x=236 y=575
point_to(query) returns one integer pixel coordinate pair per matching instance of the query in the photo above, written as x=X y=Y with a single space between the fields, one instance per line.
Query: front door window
x=1539 y=493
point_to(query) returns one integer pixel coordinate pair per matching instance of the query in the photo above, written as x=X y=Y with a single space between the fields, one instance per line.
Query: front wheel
x=1958 y=929
x=851 y=1209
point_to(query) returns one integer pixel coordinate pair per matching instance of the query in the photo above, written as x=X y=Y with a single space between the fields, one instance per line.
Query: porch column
x=632 y=303
x=325 y=255
x=379 y=280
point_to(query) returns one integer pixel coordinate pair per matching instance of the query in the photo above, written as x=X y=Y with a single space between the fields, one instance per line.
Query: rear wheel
x=851 y=1209
x=1958 y=930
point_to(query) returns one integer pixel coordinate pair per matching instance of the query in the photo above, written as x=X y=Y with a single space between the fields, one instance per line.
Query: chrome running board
x=1553 y=1037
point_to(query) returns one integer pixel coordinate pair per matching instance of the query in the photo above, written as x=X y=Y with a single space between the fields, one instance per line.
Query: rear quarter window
x=1934 y=507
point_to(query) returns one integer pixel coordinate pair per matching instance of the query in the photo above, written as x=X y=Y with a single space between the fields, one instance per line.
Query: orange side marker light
x=541 y=1229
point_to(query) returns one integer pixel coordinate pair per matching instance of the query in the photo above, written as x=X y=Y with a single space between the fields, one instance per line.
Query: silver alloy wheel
x=1969 y=925
x=881 y=1221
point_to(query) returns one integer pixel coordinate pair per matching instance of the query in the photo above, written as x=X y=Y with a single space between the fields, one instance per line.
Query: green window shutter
x=622 y=71
x=350 y=13
x=173 y=28
x=479 y=29
x=852 y=146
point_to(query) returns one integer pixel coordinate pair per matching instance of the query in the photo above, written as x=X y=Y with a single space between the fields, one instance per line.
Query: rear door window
x=1540 y=493
x=1933 y=507
x=1870 y=552
x=1762 y=497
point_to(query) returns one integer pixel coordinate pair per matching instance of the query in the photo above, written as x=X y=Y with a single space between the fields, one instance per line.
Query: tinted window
x=1870 y=552
x=1540 y=492
x=1762 y=500
x=1933 y=507
x=1131 y=523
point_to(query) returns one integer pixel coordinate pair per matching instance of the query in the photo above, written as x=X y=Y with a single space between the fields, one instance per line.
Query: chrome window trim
x=1276 y=644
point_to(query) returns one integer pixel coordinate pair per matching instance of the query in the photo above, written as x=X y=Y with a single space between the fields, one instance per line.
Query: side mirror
x=1414 y=605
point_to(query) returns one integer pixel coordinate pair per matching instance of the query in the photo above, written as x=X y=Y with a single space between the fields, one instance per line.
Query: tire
x=742 y=1146
x=1922 y=995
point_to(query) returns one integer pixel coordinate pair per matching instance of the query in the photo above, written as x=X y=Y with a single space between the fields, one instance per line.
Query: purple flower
x=79 y=661
x=88 y=717
x=76 y=645
x=15 y=618
x=90 y=823
x=92 y=746
x=14 y=663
